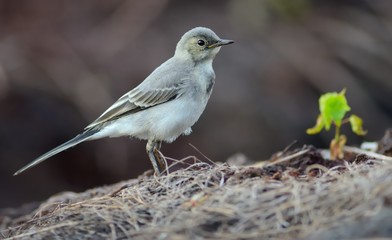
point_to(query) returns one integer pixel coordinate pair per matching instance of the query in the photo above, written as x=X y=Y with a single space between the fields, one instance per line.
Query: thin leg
x=158 y=145
x=157 y=162
x=150 y=152
x=160 y=161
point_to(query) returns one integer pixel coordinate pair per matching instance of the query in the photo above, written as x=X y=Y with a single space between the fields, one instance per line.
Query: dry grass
x=209 y=201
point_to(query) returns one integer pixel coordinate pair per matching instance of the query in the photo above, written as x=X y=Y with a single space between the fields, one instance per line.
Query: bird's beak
x=221 y=42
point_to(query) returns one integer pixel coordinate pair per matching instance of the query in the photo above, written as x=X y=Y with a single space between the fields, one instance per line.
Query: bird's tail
x=74 y=141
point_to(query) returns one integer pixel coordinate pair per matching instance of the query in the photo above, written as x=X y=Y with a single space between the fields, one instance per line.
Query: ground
x=297 y=194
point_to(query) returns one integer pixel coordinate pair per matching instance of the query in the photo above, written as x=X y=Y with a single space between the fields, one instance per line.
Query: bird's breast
x=205 y=78
x=210 y=84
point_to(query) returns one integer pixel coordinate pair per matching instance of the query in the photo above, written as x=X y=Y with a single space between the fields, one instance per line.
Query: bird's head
x=200 y=44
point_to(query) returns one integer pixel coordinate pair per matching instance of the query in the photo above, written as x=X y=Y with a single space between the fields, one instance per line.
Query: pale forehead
x=200 y=32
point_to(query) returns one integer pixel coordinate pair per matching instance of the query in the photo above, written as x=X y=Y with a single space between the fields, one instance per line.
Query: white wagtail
x=165 y=105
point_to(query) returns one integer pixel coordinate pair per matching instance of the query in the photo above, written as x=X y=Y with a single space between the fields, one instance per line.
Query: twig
x=197 y=150
x=280 y=160
x=371 y=154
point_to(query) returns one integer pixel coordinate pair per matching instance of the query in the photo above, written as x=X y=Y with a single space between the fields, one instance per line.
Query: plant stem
x=337 y=133
x=347 y=120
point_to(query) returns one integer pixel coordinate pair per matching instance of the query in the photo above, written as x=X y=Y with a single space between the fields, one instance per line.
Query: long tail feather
x=74 y=141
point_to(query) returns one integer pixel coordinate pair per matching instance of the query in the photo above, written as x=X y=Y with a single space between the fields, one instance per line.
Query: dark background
x=62 y=63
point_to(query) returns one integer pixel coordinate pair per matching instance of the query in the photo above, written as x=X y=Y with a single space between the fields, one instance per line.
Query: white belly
x=164 y=122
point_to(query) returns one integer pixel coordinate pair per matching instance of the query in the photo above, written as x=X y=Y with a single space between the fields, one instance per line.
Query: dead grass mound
x=297 y=195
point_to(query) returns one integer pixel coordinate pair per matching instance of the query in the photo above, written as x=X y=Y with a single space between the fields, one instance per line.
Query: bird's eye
x=201 y=43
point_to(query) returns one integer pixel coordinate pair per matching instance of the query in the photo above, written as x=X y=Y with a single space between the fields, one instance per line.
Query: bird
x=163 y=106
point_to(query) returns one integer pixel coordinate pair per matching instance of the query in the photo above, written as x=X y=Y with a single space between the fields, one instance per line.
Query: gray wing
x=161 y=86
x=137 y=100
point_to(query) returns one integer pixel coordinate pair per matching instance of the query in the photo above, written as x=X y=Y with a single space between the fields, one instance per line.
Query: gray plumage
x=165 y=105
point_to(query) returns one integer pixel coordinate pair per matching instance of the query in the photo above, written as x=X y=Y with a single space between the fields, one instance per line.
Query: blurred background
x=62 y=63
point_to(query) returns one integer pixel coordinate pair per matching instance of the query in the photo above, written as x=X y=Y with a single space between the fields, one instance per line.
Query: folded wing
x=137 y=100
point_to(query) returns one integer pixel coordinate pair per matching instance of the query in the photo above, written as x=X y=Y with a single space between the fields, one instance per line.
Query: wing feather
x=137 y=100
x=162 y=85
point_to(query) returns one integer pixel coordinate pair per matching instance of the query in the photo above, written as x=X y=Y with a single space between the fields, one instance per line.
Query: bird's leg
x=160 y=161
x=154 y=156
x=150 y=151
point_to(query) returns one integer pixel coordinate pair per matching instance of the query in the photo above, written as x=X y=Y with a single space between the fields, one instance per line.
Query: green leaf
x=317 y=128
x=356 y=125
x=333 y=106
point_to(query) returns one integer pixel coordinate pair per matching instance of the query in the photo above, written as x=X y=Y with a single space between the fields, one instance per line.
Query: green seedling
x=333 y=107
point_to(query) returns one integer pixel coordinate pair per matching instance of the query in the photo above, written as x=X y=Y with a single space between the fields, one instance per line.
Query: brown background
x=62 y=63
